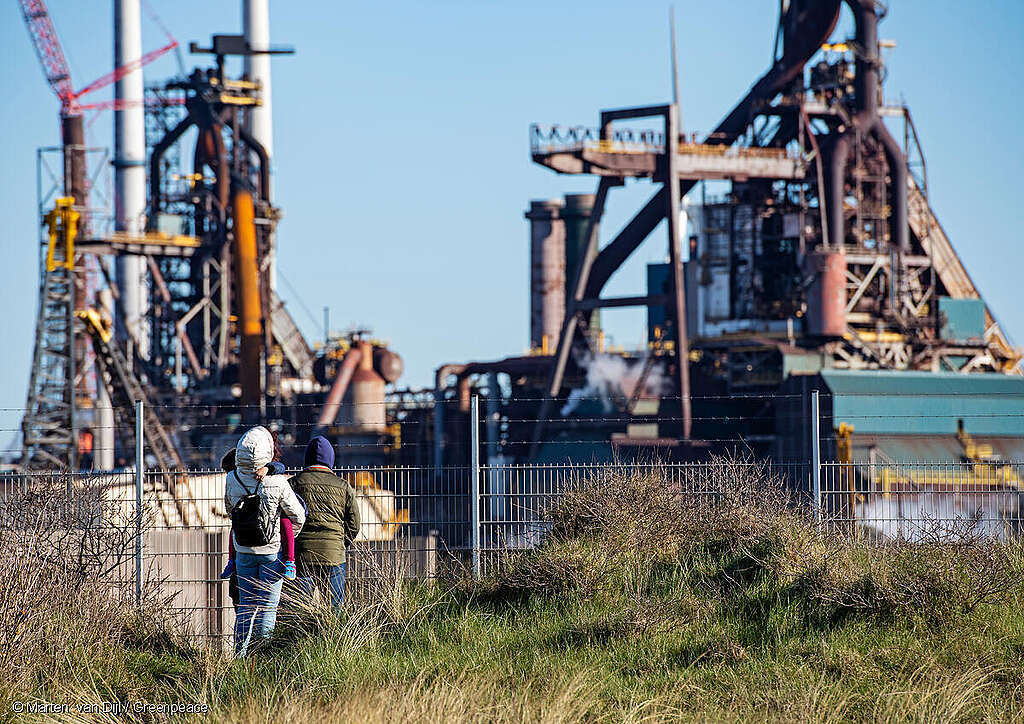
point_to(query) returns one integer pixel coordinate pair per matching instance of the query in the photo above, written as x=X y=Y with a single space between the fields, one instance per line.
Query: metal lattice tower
x=48 y=431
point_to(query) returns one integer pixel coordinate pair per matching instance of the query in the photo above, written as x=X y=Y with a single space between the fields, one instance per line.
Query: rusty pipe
x=440 y=380
x=836 y=189
x=249 y=311
x=464 y=394
x=867 y=121
x=898 y=171
x=155 y=168
x=261 y=153
x=866 y=63
x=868 y=81
x=329 y=412
x=223 y=167
x=210 y=139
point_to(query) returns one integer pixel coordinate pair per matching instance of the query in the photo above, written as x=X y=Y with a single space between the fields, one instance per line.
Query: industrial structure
x=823 y=254
x=176 y=304
x=823 y=266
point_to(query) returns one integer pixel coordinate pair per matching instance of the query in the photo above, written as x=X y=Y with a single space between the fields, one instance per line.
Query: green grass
x=665 y=650
x=717 y=622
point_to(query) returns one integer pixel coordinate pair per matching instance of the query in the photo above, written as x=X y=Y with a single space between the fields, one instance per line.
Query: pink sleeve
x=287 y=538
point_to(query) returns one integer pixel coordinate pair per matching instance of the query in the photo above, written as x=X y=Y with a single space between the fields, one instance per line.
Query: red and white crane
x=55 y=66
x=129 y=158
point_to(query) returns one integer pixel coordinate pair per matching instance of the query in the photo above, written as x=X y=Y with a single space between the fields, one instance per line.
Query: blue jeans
x=329 y=580
x=259 y=592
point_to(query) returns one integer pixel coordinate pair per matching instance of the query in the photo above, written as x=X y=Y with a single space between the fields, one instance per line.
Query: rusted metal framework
x=207 y=313
x=614 y=164
x=825 y=246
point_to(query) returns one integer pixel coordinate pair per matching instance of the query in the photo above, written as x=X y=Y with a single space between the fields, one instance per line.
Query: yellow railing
x=977 y=477
x=701 y=149
x=708 y=149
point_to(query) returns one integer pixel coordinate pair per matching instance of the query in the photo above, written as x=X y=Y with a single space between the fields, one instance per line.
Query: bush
x=735 y=531
x=936 y=581
x=65 y=582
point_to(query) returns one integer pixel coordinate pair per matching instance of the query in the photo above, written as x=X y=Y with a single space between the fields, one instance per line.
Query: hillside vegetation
x=642 y=604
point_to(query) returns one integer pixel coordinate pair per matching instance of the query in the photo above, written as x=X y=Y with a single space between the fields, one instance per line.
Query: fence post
x=474 y=494
x=140 y=428
x=816 y=456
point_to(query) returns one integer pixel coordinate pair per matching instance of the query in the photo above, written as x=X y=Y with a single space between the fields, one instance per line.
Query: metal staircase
x=169 y=482
x=286 y=333
x=951 y=272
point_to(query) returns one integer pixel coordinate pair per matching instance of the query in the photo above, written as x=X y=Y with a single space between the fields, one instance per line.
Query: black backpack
x=252 y=528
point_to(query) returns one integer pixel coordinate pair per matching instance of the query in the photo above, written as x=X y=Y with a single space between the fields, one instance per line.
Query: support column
x=675 y=259
x=130 y=173
x=103 y=426
x=474 y=484
x=260 y=119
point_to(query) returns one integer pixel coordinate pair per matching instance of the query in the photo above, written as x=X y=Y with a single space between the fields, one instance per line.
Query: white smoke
x=918 y=518
x=613 y=379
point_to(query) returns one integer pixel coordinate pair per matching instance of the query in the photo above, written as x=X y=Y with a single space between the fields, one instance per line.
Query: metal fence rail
x=169 y=531
x=921 y=501
x=419 y=522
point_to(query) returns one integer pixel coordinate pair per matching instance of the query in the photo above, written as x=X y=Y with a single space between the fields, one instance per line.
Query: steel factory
x=819 y=263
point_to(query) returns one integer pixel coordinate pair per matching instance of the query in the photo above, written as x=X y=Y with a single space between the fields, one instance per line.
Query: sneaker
x=289 y=570
x=228 y=569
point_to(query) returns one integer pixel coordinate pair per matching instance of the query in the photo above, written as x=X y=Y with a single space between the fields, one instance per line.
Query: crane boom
x=55 y=66
x=125 y=69
x=48 y=49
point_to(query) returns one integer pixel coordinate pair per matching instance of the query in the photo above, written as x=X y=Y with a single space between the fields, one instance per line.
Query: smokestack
x=547 y=274
x=130 y=170
x=260 y=120
x=575 y=214
x=256 y=24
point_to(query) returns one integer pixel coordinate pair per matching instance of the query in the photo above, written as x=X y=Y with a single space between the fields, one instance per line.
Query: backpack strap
x=239 y=479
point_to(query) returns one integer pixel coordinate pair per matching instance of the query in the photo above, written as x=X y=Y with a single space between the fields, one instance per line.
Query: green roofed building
x=903 y=416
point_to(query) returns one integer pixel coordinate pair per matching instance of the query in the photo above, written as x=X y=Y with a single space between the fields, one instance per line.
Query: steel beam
x=656 y=300
x=675 y=257
x=615 y=253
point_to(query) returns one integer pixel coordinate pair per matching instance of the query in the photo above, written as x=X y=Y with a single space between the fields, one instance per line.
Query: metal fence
x=168 y=532
x=464 y=520
x=918 y=502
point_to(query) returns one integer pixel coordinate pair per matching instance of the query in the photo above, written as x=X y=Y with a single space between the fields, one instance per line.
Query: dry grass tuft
x=65 y=581
x=736 y=517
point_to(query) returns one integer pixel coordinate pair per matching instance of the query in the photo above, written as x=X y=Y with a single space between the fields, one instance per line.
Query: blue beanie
x=319 y=451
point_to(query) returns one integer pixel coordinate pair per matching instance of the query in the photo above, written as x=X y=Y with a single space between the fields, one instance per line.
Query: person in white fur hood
x=259 y=568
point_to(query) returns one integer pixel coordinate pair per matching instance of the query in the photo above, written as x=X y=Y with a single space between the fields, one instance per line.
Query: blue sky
x=402 y=159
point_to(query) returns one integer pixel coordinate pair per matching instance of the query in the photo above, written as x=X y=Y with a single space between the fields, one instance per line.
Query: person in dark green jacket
x=332 y=523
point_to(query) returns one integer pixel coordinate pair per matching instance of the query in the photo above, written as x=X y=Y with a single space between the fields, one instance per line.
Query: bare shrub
x=618 y=524
x=936 y=580
x=64 y=573
x=557 y=568
x=735 y=520
x=656 y=508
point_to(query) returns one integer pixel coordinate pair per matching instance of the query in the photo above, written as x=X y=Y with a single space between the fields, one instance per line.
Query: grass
x=732 y=609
